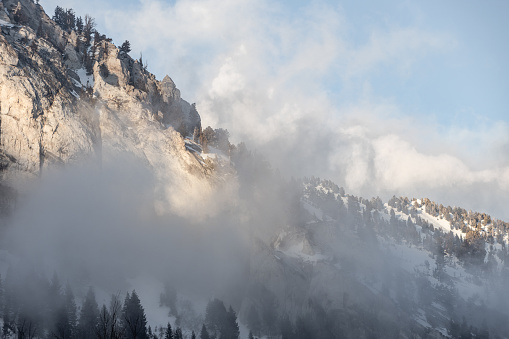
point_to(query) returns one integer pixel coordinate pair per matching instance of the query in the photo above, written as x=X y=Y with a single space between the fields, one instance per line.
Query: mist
x=107 y=228
x=99 y=227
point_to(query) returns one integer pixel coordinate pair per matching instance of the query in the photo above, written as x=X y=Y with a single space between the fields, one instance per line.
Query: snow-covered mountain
x=108 y=179
x=425 y=274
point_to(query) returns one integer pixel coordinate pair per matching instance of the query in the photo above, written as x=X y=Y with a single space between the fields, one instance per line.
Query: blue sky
x=465 y=82
x=393 y=97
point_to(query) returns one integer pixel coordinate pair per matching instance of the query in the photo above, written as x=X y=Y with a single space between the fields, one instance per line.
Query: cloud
x=399 y=48
x=380 y=162
x=296 y=84
x=272 y=76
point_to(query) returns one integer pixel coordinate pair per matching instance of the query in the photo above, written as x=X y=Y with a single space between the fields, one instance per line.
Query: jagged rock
x=169 y=90
x=3 y=15
x=122 y=81
x=48 y=118
x=8 y=55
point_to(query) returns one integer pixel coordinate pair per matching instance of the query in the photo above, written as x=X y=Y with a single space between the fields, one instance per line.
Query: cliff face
x=52 y=112
x=65 y=101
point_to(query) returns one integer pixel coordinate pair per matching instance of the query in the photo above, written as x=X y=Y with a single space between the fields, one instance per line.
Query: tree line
x=34 y=307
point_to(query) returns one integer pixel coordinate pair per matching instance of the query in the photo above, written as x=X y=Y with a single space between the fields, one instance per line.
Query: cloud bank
x=296 y=82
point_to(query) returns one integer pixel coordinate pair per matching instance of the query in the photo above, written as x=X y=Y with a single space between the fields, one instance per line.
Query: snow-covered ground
x=85 y=80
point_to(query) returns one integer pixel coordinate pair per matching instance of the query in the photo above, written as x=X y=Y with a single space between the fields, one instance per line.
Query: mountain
x=109 y=180
x=55 y=111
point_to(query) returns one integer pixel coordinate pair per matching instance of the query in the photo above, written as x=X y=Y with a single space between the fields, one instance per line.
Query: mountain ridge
x=336 y=265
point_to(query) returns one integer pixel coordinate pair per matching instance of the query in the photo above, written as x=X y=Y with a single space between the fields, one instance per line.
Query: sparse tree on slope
x=79 y=25
x=126 y=47
x=88 y=29
x=59 y=16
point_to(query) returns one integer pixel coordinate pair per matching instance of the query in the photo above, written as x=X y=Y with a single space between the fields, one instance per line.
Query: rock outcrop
x=53 y=111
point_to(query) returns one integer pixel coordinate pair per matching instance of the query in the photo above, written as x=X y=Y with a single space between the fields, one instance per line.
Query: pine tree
x=69 y=20
x=71 y=312
x=178 y=333
x=134 y=319
x=79 y=25
x=126 y=47
x=89 y=316
x=232 y=331
x=204 y=334
x=88 y=29
x=215 y=317
x=59 y=16
x=169 y=332
x=103 y=326
x=65 y=315
x=97 y=37
x=193 y=336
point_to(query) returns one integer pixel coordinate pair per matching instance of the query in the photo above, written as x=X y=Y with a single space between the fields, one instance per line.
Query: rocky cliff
x=53 y=111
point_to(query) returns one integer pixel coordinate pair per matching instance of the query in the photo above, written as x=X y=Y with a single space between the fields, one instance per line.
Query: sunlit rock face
x=54 y=112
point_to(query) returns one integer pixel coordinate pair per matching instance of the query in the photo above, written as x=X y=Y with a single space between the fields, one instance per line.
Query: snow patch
x=85 y=80
x=297 y=251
